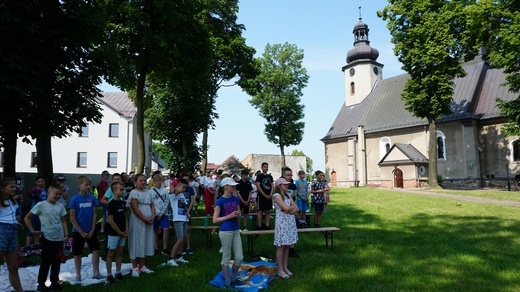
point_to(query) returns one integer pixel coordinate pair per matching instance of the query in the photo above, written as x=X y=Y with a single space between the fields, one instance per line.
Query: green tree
x=308 y=160
x=51 y=85
x=496 y=26
x=428 y=37
x=162 y=40
x=276 y=92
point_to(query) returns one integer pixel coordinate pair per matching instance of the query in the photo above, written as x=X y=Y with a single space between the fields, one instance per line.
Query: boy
x=117 y=231
x=37 y=194
x=180 y=221
x=102 y=189
x=54 y=231
x=161 y=222
x=83 y=218
x=244 y=188
x=302 y=199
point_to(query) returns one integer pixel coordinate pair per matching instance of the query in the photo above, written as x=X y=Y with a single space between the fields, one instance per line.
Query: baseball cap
x=228 y=182
x=60 y=176
x=281 y=181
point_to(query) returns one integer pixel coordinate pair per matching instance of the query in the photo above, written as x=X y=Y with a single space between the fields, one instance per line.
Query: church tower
x=362 y=69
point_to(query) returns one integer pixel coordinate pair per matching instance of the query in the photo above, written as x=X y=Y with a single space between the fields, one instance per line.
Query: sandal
x=283 y=275
x=290 y=274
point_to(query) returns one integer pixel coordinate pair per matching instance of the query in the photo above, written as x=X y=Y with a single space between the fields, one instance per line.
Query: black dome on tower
x=362 y=49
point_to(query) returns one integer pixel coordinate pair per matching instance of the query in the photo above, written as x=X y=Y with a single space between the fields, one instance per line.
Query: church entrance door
x=398 y=178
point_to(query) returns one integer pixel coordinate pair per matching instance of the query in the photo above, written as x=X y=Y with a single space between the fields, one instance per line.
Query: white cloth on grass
x=29 y=275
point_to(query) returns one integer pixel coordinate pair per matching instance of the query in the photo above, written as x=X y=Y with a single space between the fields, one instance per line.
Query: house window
x=441 y=146
x=112 y=159
x=515 y=146
x=114 y=130
x=384 y=146
x=352 y=88
x=82 y=159
x=33 y=159
x=84 y=131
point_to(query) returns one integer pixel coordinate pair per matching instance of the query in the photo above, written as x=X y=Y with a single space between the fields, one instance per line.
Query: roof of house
x=119 y=102
x=413 y=155
x=231 y=164
x=474 y=97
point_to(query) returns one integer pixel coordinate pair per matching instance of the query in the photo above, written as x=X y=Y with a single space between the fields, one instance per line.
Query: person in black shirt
x=265 y=186
x=117 y=231
x=245 y=189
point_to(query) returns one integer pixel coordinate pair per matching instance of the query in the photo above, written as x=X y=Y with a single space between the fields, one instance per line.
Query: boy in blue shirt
x=302 y=196
x=83 y=218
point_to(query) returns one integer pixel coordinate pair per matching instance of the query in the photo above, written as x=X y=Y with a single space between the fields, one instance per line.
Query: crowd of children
x=153 y=204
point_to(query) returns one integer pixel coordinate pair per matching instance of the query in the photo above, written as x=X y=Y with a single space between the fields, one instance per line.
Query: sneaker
x=99 y=277
x=172 y=263
x=181 y=260
x=42 y=288
x=164 y=252
x=189 y=251
x=110 y=280
x=135 y=272
x=78 y=279
x=183 y=251
x=145 y=270
x=56 y=287
x=119 y=276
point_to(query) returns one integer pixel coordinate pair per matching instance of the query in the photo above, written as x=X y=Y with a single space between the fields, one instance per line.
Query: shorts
x=264 y=204
x=36 y=224
x=163 y=223
x=180 y=229
x=303 y=205
x=78 y=243
x=244 y=208
x=318 y=207
x=8 y=237
x=115 y=241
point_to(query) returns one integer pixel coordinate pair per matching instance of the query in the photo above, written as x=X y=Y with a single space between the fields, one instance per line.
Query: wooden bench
x=207 y=230
x=327 y=232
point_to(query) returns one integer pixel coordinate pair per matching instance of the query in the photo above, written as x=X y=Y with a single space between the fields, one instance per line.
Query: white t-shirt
x=179 y=206
x=210 y=182
x=8 y=214
x=254 y=194
x=50 y=218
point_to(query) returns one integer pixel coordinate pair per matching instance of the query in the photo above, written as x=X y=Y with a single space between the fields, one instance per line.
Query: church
x=374 y=141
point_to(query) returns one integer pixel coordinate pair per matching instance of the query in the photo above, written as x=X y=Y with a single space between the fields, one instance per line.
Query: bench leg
x=329 y=235
x=251 y=238
x=209 y=240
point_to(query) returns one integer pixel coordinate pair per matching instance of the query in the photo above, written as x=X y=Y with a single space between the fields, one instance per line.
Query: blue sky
x=323 y=29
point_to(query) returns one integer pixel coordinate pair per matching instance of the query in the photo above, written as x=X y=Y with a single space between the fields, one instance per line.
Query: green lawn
x=502 y=195
x=389 y=241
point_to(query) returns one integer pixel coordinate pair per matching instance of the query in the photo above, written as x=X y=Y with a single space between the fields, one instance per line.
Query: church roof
x=413 y=155
x=474 y=97
x=119 y=102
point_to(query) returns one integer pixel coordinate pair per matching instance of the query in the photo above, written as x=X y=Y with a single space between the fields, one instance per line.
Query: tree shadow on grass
x=420 y=253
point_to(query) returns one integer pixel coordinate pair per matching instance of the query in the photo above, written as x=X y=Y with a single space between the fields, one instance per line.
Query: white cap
x=228 y=182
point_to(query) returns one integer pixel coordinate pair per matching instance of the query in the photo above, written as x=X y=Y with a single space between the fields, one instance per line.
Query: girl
x=285 y=233
x=9 y=230
x=140 y=234
x=227 y=213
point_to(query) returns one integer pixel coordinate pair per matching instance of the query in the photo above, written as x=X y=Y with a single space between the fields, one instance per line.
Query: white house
x=110 y=145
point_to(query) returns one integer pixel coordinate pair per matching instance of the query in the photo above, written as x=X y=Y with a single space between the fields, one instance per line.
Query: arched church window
x=441 y=146
x=352 y=88
x=384 y=146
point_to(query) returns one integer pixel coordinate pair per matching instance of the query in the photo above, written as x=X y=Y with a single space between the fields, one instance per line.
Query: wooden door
x=398 y=178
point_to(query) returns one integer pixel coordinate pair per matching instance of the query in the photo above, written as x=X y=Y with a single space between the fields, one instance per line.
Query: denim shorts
x=303 y=205
x=8 y=236
x=115 y=241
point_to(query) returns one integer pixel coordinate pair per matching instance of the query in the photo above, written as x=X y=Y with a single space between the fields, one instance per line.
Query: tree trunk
x=9 y=157
x=204 y=152
x=139 y=103
x=282 y=152
x=432 y=154
x=44 y=158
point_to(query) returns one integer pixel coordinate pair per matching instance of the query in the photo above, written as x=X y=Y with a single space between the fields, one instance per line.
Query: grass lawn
x=389 y=241
x=502 y=195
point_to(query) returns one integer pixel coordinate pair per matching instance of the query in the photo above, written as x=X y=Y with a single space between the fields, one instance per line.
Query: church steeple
x=362 y=70
x=362 y=48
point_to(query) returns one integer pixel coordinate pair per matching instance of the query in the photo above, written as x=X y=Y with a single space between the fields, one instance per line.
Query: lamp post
x=508 y=182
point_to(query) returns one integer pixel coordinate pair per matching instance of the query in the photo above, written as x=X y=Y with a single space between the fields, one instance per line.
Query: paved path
x=459 y=197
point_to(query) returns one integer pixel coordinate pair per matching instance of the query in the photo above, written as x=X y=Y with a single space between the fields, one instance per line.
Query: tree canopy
x=276 y=92
x=428 y=37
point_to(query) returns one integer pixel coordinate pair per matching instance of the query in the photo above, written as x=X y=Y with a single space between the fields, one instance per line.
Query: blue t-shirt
x=188 y=193
x=228 y=206
x=301 y=189
x=85 y=208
